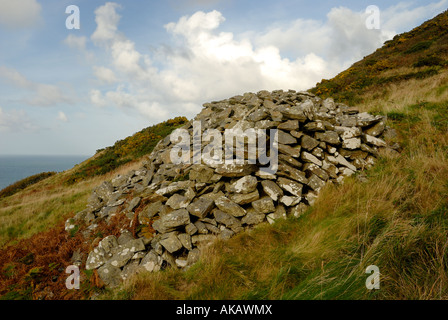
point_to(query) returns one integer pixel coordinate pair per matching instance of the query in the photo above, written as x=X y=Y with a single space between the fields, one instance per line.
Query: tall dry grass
x=45 y=204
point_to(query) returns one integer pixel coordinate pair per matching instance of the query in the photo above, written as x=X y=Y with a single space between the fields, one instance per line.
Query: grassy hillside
x=33 y=212
x=395 y=217
x=35 y=204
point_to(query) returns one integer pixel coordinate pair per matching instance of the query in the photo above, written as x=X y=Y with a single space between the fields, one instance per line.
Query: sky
x=135 y=63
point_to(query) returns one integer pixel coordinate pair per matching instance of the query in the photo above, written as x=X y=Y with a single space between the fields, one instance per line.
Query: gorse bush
x=419 y=47
x=428 y=61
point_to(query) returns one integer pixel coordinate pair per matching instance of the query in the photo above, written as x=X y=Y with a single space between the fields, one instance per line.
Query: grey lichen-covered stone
x=290 y=172
x=134 y=203
x=201 y=173
x=177 y=201
x=315 y=182
x=230 y=207
x=292 y=151
x=341 y=161
x=110 y=275
x=376 y=129
x=264 y=205
x=191 y=229
x=124 y=253
x=290 y=186
x=246 y=184
x=312 y=168
x=308 y=157
x=289 y=125
x=202 y=239
x=200 y=226
x=235 y=170
x=245 y=198
x=298 y=210
x=352 y=143
x=193 y=256
x=185 y=239
x=330 y=137
x=272 y=189
x=103 y=252
x=125 y=237
x=253 y=218
x=365 y=119
x=174 y=187
x=172 y=243
x=201 y=207
x=348 y=132
x=172 y=220
x=373 y=141
x=150 y=211
x=314 y=126
x=290 y=201
x=152 y=262
x=308 y=143
x=285 y=138
x=228 y=220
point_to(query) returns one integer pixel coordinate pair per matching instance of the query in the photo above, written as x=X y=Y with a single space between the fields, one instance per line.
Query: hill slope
x=396 y=219
x=417 y=54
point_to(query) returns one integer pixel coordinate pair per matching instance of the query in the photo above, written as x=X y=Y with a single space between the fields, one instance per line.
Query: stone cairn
x=189 y=205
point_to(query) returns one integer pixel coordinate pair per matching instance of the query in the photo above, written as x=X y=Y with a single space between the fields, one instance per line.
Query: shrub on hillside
x=24 y=183
x=419 y=47
x=428 y=61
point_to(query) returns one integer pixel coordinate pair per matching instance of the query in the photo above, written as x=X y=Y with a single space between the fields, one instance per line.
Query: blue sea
x=15 y=168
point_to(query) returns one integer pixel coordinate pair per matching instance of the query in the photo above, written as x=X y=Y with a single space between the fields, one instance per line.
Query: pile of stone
x=189 y=205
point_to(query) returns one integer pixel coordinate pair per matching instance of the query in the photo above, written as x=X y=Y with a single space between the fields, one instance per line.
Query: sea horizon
x=14 y=168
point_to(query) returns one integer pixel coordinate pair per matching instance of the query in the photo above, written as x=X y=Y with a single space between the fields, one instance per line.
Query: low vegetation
x=24 y=183
x=126 y=150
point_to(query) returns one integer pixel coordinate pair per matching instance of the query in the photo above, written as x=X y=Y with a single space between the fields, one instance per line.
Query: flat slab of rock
x=230 y=207
x=172 y=220
x=246 y=184
x=272 y=189
x=235 y=170
x=201 y=207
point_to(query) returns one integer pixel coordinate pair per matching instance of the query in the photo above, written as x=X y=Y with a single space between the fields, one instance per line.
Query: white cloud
x=62 y=116
x=76 y=42
x=41 y=94
x=97 y=98
x=15 y=120
x=17 y=14
x=107 y=20
x=104 y=74
x=204 y=63
x=403 y=17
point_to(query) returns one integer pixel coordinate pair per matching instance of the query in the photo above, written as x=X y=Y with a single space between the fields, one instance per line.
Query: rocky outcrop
x=188 y=205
